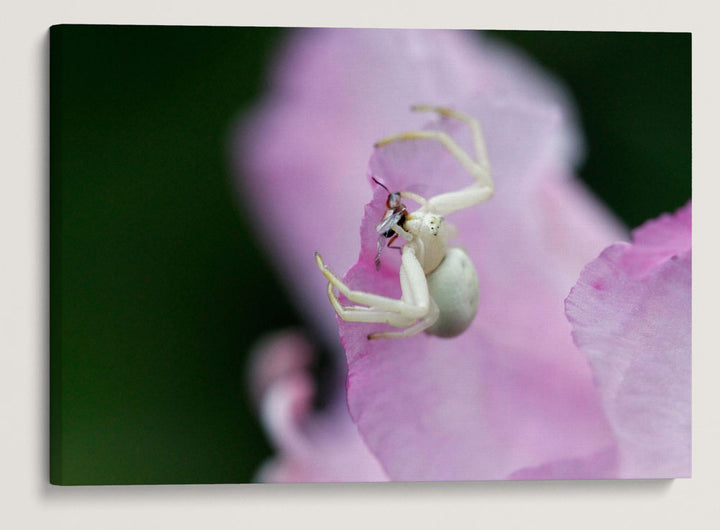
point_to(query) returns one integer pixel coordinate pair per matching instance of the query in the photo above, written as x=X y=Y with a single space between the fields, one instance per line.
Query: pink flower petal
x=601 y=465
x=631 y=315
x=312 y=446
x=304 y=151
x=512 y=397
x=303 y=154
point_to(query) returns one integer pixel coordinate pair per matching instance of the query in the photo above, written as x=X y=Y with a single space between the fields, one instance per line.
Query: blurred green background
x=158 y=287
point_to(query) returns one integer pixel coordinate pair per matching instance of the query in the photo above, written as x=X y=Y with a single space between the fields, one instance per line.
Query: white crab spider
x=440 y=289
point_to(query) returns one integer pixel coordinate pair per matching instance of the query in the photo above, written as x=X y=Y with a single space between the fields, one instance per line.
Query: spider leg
x=413 y=305
x=400 y=231
x=478 y=139
x=422 y=201
x=365 y=314
x=476 y=193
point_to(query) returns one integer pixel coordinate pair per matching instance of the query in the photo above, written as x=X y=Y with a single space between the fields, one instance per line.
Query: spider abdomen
x=454 y=287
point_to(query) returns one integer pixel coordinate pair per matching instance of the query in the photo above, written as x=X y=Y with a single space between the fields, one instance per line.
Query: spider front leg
x=414 y=311
x=479 y=168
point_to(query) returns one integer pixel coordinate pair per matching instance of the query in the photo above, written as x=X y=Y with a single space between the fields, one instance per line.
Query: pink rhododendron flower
x=512 y=397
x=631 y=315
x=304 y=149
x=512 y=393
x=312 y=447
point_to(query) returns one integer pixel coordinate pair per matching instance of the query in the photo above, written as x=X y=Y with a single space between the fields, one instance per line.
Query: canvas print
x=364 y=255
